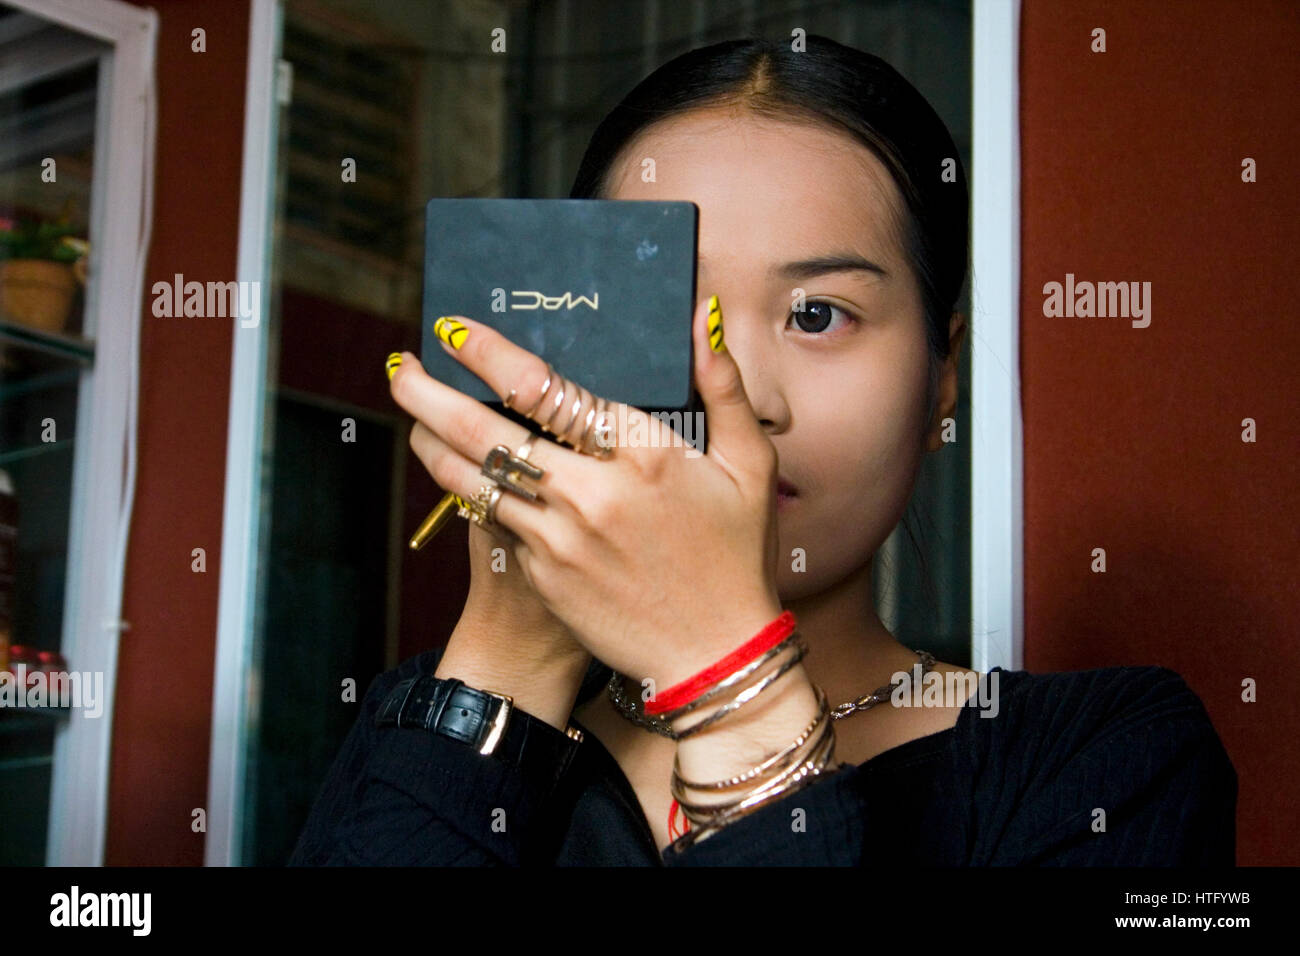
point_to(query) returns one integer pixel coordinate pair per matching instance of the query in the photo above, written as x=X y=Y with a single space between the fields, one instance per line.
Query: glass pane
x=49 y=91
x=396 y=103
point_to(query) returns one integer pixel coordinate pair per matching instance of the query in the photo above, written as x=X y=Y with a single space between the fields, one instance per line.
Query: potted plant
x=41 y=264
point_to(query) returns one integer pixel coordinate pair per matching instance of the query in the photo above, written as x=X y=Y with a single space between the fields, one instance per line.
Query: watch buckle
x=499 y=721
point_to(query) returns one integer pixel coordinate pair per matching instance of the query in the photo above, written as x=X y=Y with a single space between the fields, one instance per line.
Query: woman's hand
x=659 y=562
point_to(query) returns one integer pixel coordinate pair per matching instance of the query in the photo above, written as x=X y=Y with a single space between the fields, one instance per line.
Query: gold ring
x=559 y=400
x=481 y=508
x=550 y=374
x=597 y=442
x=603 y=439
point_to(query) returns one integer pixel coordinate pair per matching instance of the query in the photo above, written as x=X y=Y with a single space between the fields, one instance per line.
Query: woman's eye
x=817 y=317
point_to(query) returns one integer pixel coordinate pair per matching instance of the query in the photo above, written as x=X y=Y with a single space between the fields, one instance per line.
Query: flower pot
x=37 y=293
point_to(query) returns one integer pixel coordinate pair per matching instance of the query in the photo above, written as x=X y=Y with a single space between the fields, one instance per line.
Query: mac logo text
x=535 y=300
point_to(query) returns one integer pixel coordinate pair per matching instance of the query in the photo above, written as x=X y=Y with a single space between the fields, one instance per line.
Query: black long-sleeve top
x=1024 y=787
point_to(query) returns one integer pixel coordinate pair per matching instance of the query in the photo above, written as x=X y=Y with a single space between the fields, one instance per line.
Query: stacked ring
x=599 y=442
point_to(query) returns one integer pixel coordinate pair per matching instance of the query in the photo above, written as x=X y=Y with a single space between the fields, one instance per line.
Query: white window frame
x=236 y=689
x=997 y=470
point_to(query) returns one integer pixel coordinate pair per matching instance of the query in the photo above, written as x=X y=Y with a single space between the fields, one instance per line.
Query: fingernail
x=392 y=362
x=715 y=325
x=450 y=331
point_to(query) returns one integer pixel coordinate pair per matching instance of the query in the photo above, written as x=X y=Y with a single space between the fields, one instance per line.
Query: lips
x=784 y=489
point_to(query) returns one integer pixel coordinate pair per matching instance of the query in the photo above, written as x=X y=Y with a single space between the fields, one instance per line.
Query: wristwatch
x=487 y=721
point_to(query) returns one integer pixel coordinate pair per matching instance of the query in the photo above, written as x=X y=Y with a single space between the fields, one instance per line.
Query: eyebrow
x=821 y=265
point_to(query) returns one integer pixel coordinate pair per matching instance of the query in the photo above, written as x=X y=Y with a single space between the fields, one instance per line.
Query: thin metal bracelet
x=810 y=769
x=800 y=650
x=807 y=773
x=782 y=758
x=699 y=833
x=679 y=787
x=773 y=784
x=745 y=696
x=731 y=679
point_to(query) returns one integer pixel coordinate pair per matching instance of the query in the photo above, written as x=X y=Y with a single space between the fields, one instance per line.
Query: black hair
x=833 y=84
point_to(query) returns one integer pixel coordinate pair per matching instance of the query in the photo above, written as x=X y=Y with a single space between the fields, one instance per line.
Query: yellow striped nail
x=715 y=325
x=450 y=331
x=392 y=362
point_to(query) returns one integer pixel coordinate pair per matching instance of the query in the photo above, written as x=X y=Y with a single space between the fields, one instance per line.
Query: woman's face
x=840 y=387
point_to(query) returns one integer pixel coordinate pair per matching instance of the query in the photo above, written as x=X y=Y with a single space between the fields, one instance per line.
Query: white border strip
x=102 y=494
x=997 y=502
x=233 y=683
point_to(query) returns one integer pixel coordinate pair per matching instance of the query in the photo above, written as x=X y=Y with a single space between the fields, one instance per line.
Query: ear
x=946 y=390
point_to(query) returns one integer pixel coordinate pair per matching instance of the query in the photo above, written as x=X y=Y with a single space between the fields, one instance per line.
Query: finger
x=452 y=472
x=472 y=429
x=735 y=435
x=563 y=407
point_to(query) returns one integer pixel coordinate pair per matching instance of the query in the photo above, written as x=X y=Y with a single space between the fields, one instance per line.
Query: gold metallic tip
x=434 y=522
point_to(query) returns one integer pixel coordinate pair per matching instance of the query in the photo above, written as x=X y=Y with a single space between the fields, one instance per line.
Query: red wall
x=162 y=722
x=1131 y=164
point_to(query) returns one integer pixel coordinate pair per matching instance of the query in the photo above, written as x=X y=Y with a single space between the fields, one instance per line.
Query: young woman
x=833 y=247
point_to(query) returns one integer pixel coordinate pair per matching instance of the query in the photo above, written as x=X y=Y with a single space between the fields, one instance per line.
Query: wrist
x=525 y=633
x=545 y=684
x=709 y=650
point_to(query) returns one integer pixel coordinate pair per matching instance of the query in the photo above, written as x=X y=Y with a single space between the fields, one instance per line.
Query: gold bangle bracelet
x=781 y=759
x=745 y=696
x=702 y=831
x=811 y=763
x=817 y=744
x=801 y=775
x=732 y=679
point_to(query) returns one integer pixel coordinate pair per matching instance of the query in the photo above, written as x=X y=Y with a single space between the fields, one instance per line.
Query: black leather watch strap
x=452 y=709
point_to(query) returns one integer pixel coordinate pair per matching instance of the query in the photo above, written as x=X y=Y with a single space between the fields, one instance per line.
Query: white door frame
x=121 y=218
x=997 y=505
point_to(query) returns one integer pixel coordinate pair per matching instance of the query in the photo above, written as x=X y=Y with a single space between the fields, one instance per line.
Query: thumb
x=734 y=432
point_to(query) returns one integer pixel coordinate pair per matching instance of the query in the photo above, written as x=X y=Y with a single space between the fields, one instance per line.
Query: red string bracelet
x=685 y=692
